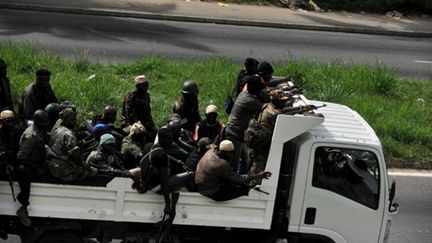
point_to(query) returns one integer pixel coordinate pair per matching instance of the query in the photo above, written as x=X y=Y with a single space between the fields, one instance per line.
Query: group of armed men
x=44 y=140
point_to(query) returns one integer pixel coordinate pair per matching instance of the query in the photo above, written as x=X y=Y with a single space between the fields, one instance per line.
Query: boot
x=22 y=213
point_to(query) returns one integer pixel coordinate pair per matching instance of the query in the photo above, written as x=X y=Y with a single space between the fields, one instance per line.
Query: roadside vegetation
x=374 y=6
x=397 y=108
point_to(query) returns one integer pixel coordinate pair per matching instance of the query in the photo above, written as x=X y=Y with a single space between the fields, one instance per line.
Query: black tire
x=59 y=237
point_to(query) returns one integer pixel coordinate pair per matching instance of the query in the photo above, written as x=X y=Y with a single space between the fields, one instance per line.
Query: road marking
x=421 y=61
x=416 y=174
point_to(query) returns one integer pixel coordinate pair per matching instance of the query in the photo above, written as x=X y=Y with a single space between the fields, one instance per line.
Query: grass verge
x=373 y=6
x=397 y=108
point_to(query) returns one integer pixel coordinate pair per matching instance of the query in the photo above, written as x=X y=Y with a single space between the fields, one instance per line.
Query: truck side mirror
x=393 y=207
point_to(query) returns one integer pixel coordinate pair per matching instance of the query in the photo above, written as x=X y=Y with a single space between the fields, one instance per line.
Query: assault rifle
x=256 y=188
x=300 y=109
x=179 y=162
x=9 y=172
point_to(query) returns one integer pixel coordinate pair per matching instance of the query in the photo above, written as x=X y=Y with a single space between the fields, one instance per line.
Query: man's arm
x=149 y=123
x=27 y=105
x=129 y=109
x=235 y=178
x=97 y=161
x=25 y=152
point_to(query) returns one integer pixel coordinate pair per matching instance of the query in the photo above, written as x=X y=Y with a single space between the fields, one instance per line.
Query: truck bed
x=118 y=202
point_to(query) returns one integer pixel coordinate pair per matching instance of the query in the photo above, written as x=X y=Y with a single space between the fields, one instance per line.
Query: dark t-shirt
x=158 y=156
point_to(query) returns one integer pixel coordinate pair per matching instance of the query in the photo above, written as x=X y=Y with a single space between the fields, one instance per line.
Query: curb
x=197 y=19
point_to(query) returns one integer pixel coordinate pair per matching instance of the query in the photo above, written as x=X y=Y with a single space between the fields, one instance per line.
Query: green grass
x=397 y=108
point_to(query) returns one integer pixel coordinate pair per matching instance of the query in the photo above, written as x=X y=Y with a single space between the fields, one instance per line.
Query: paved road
x=414 y=221
x=108 y=39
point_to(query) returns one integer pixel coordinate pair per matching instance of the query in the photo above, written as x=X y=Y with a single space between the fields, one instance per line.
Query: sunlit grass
x=398 y=109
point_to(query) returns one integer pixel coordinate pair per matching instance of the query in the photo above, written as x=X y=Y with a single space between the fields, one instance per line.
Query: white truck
x=329 y=183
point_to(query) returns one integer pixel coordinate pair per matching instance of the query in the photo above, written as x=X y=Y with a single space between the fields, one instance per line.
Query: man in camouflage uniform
x=133 y=145
x=31 y=160
x=267 y=120
x=11 y=129
x=106 y=159
x=136 y=107
x=64 y=158
x=5 y=90
x=37 y=95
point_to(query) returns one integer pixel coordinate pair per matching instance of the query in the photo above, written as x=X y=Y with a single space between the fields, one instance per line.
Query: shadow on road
x=82 y=27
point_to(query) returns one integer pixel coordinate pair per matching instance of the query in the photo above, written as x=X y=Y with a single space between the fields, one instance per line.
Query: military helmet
x=52 y=108
x=190 y=87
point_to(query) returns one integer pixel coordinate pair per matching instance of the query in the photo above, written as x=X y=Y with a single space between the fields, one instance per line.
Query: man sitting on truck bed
x=155 y=166
x=64 y=158
x=107 y=159
x=31 y=160
x=216 y=179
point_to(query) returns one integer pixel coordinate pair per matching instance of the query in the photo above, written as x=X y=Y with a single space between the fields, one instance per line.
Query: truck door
x=343 y=200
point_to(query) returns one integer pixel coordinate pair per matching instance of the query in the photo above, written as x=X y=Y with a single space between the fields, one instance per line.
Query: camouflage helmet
x=190 y=87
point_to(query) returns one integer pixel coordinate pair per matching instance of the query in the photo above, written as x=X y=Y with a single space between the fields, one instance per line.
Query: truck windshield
x=350 y=173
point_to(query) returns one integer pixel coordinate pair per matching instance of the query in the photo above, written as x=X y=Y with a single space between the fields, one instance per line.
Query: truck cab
x=329 y=183
x=340 y=189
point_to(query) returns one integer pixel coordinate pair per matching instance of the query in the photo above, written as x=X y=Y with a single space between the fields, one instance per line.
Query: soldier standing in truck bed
x=265 y=121
x=251 y=68
x=247 y=105
x=187 y=106
x=37 y=95
x=136 y=107
x=5 y=89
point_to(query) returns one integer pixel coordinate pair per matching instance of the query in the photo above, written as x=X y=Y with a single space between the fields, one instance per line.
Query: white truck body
x=336 y=218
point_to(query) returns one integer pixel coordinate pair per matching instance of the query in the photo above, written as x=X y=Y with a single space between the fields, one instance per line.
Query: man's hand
x=9 y=170
x=263 y=175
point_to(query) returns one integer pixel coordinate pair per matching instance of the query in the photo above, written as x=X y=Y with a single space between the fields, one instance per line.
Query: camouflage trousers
x=259 y=156
x=68 y=170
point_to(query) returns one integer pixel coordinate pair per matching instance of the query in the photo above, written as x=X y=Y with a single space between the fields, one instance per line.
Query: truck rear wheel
x=59 y=237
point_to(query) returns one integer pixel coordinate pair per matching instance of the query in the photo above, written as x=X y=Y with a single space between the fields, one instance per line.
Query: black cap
x=250 y=61
x=43 y=73
x=265 y=67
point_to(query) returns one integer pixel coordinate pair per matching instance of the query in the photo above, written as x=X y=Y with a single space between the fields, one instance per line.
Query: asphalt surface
x=112 y=40
x=414 y=220
x=235 y=14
